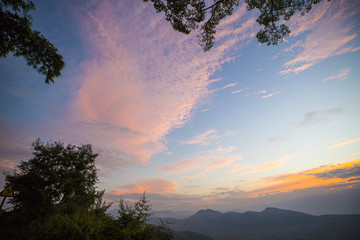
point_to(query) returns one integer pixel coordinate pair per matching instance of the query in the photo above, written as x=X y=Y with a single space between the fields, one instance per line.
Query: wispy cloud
x=238 y=91
x=264 y=93
x=204 y=163
x=327 y=25
x=219 y=163
x=205 y=138
x=152 y=185
x=341 y=75
x=238 y=168
x=267 y=166
x=140 y=80
x=319 y=116
x=343 y=143
x=270 y=94
x=184 y=165
x=143 y=79
x=229 y=85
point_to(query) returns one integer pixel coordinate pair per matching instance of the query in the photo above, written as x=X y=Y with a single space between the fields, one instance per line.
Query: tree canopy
x=188 y=15
x=55 y=197
x=18 y=37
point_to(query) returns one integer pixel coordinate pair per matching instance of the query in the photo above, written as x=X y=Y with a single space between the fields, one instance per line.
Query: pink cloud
x=152 y=185
x=270 y=95
x=238 y=91
x=183 y=165
x=330 y=34
x=7 y=164
x=229 y=85
x=142 y=79
x=299 y=24
x=205 y=162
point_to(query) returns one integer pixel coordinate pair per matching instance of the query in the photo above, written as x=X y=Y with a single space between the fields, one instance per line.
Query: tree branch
x=215 y=4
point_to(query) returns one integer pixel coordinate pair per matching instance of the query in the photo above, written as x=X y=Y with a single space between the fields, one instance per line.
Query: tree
x=134 y=222
x=55 y=197
x=17 y=36
x=57 y=176
x=187 y=15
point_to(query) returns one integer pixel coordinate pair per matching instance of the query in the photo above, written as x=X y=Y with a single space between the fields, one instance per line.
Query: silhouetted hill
x=272 y=223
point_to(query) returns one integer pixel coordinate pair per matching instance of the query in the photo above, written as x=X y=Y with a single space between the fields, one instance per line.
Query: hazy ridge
x=271 y=223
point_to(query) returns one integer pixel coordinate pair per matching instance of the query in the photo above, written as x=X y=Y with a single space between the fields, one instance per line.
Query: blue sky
x=193 y=129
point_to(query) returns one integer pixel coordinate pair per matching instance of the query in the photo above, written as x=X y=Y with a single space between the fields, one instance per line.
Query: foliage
x=134 y=221
x=188 y=15
x=57 y=176
x=17 y=36
x=55 y=197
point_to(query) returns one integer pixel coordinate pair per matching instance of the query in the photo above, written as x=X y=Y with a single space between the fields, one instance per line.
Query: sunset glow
x=243 y=123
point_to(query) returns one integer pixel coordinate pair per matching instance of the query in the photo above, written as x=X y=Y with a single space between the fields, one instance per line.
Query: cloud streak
x=342 y=74
x=319 y=116
x=7 y=164
x=152 y=185
x=205 y=138
x=343 y=143
x=270 y=95
x=218 y=158
x=330 y=34
x=267 y=166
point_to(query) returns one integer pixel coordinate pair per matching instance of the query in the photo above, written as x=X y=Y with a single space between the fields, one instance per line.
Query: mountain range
x=271 y=224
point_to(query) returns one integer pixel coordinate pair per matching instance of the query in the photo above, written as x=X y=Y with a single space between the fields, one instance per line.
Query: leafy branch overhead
x=17 y=36
x=188 y=15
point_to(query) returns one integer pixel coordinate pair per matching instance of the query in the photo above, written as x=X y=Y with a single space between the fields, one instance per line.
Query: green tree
x=188 y=15
x=17 y=36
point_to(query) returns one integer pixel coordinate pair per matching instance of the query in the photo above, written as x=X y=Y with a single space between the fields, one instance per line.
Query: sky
x=240 y=125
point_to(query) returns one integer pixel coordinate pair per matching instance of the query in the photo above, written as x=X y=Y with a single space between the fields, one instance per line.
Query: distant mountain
x=271 y=224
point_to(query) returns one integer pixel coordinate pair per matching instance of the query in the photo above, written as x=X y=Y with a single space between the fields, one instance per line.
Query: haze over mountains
x=271 y=223
x=347 y=202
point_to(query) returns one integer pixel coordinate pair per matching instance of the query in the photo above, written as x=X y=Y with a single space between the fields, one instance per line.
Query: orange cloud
x=152 y=185
x=325 y=176
x=343 y=143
